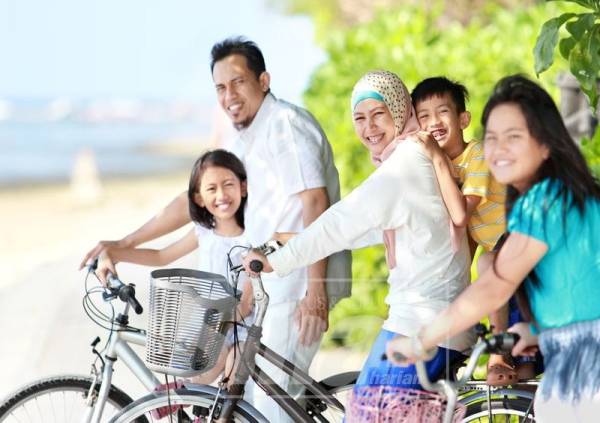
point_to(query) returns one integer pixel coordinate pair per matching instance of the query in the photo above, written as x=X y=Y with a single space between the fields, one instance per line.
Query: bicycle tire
x=196 y=402
x=33 y=402
x=513 y=410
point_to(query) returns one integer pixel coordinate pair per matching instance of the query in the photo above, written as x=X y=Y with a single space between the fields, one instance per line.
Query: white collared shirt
x=286 y=152
x=402 y=194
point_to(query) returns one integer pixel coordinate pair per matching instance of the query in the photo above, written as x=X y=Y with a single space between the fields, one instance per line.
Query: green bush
x=408 y=42
x=591 y=151
x=580 y=45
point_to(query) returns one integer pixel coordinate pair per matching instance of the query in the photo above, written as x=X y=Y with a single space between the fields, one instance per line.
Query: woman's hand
x=105 y=265
x=256 y=255
x=528 y=342
x=400 y=351
x=403 y=350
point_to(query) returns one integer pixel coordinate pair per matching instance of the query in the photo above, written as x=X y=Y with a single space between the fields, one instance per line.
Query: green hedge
x=410 y=43
x=591 y=151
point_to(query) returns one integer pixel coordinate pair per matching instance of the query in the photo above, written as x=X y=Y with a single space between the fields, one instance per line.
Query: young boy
x=477 y=201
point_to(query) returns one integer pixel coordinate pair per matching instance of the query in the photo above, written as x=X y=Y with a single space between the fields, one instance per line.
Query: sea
x=45 y=152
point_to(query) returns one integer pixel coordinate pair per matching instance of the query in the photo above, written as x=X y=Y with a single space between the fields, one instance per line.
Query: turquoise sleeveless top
x=569 y=273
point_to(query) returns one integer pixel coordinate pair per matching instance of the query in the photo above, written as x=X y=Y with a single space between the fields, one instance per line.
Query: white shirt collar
x=260 y=118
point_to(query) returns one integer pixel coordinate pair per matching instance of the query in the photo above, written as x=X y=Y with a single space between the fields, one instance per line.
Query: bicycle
x=506 y=402
x=203 y=403
x=87 y=399
x=206 y=403
x=484 y=402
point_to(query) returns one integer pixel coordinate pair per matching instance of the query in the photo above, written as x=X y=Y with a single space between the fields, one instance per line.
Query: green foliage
x=581 y=47
x=590 y=148
x=408 y=42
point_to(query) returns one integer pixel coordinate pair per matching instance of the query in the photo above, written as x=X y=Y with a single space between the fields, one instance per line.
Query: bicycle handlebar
x=126 y=293
x=256 y=266
x=117 y=288
x=497 y=344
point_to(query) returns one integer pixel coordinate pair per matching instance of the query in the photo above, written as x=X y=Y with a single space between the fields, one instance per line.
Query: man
x=291 y=181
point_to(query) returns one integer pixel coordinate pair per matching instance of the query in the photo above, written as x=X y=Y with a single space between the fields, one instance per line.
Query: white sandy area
x=44 y=232
x=43 y=224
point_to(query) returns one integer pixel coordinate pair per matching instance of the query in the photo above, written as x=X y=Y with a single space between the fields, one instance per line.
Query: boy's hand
x=430 y=145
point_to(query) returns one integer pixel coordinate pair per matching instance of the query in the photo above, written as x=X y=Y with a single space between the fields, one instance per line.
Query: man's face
x=239 y=92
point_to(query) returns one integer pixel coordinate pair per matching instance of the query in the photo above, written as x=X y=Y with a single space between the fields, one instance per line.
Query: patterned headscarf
x=387 y=87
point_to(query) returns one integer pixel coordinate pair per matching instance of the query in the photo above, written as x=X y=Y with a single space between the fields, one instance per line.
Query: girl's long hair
x=218 y=158
x=565 y=163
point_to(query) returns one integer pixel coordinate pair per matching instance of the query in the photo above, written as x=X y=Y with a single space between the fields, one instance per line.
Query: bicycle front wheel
x=187 y=405
x=511 y=410
x=57 y=399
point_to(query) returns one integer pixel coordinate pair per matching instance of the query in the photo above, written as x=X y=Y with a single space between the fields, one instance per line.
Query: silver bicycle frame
x=118 y=348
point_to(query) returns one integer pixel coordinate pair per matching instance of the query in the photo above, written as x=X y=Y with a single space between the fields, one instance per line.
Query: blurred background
x=104 y=106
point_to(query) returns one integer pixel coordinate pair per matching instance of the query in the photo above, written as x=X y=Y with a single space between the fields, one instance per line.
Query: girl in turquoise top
x=553 y=244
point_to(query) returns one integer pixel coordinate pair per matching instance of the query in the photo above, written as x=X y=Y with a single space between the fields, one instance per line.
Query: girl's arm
x=146 y=256
x=246 y=301
x=516 y=259
x=172 y=217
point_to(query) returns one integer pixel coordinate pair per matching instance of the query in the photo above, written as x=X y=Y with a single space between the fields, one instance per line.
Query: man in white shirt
x=291 y=181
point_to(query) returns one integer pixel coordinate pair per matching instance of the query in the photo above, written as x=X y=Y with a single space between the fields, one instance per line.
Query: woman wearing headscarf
x=402 y=200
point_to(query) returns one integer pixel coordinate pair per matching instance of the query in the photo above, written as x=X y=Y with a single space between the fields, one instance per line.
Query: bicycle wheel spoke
x=57 y=400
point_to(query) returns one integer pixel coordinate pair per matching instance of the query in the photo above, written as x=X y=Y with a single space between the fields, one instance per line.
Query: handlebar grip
x=502 y=343
x=127 y=293
x=510 y=340
x=256 y=266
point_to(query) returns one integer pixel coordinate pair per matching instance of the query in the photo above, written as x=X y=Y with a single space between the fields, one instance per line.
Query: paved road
x=45 y=331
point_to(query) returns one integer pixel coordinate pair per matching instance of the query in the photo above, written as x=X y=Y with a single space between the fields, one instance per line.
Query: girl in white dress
x=217 y=195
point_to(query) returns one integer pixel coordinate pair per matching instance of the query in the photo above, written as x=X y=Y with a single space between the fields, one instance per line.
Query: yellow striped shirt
x=487 y=223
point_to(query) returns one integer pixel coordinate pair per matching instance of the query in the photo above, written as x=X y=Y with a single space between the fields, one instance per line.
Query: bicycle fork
x=94 y=395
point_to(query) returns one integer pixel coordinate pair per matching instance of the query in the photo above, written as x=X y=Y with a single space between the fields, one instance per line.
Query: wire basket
x=378 y=404
x=190 y=312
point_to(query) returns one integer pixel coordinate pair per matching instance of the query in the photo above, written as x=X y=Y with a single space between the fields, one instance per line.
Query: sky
x=142 y=48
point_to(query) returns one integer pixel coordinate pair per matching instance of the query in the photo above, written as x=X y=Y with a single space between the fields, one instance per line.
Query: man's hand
x=430 y=145
x=256 y=255
x=312 y=317
x=99 y=248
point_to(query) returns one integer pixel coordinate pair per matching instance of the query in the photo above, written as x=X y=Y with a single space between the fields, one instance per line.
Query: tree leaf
x=592 y=95
x=594 y=47
x=565 y=46
x=582 y=24
x=582 y=67
x=585 y=3
x=546 y=42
